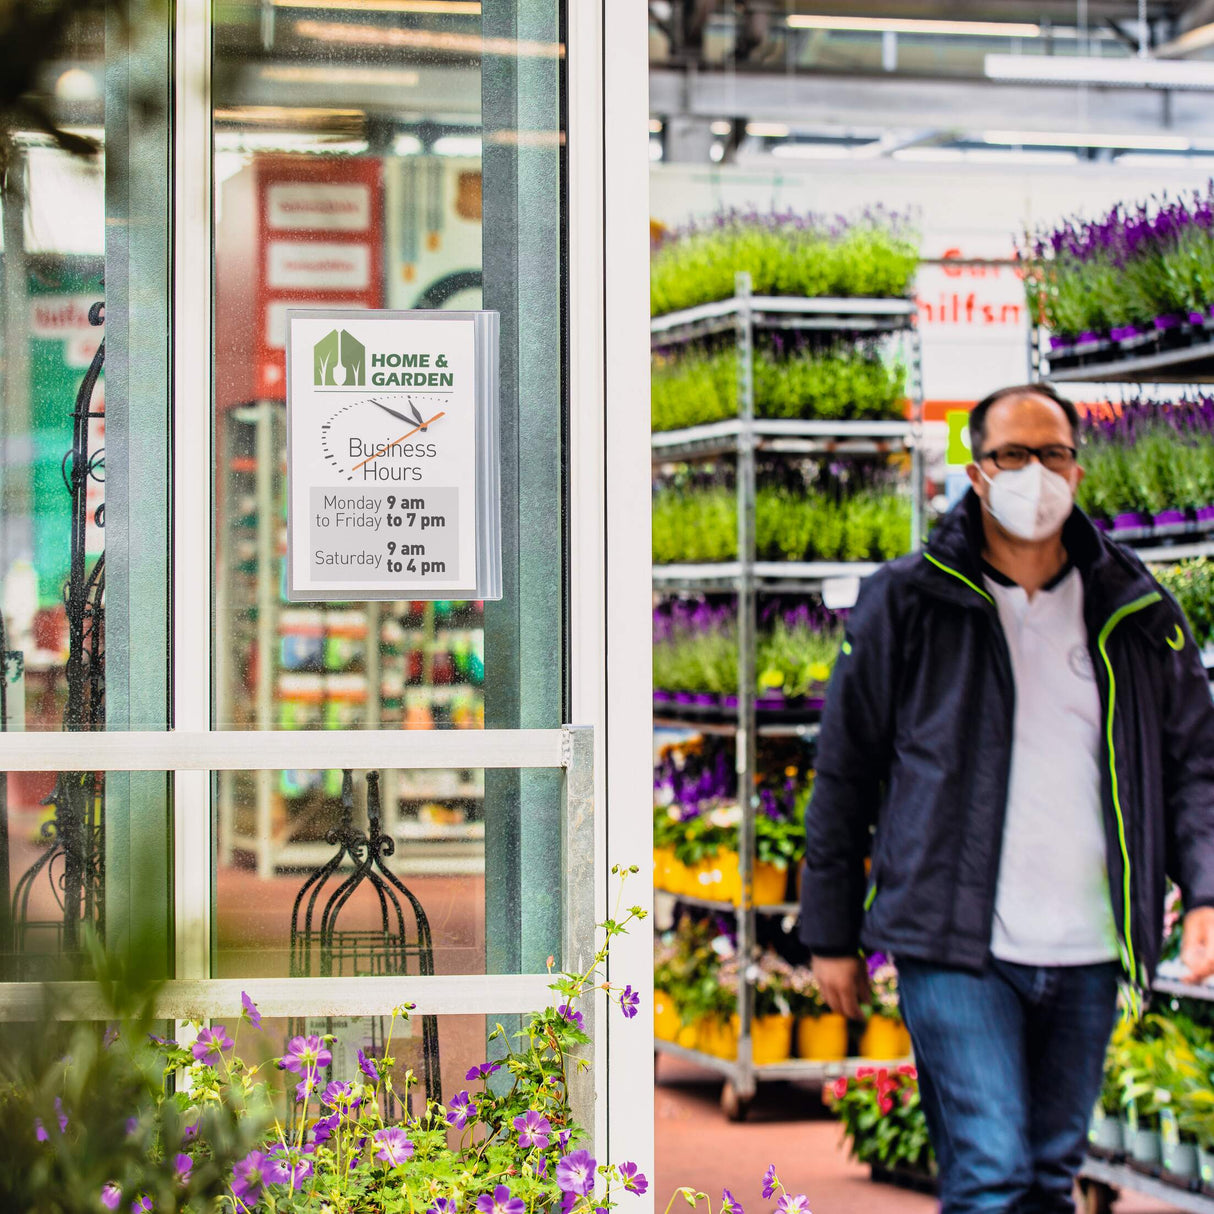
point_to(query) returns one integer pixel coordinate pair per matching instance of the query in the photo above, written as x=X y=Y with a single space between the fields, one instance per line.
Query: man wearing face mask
x=1020 y=733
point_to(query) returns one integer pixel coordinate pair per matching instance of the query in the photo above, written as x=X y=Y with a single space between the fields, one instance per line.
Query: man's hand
x=1197 y=947
x=843 y=982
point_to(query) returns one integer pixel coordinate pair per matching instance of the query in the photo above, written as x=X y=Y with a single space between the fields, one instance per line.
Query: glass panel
x=71 y=864
x=352 y=876
x=84 y=469
x=392 y=156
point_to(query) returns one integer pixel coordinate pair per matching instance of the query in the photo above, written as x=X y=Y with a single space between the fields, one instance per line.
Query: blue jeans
x=1010 y=1064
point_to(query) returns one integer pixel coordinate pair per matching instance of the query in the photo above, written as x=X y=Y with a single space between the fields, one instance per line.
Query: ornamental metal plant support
x=73 y=864
x=394 y=948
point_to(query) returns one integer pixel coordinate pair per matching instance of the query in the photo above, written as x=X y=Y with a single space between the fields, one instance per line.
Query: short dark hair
x=983 y=407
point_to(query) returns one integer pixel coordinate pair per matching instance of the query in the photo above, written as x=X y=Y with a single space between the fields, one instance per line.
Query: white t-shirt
x=1052 y=903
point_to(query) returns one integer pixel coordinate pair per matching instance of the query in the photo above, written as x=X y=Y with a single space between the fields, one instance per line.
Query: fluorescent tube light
x=655 y=126
x=1200 y=38
x=915 y=25
x=767 y=130
x=457 y=145
x=437 y=8
x=1088 y=139
x=406 y=145
x=721 y=127
x=1089 y=69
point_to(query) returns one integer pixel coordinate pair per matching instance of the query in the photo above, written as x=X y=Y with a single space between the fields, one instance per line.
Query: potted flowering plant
x=885 y=1036
x=873 y=254
x=371 y=1143
x=884 y=1123
x=821 y=1033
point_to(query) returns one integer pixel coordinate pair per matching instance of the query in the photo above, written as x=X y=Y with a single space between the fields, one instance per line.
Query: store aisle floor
x=787 y=1126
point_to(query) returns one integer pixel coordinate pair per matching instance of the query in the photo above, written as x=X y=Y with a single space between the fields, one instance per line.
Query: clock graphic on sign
x=377 y=440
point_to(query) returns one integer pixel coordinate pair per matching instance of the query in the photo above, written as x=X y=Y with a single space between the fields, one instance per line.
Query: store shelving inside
x=404 y=665
x=745 y=721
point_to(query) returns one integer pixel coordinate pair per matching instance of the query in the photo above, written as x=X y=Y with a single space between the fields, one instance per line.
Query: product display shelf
x=785 y=436
x=785 y=727
x=367 y=684
x=738 y=1074
x=765 y=575
x=742 y=438
x=775 y=910
x=1105 y=1178
x=1189 y=359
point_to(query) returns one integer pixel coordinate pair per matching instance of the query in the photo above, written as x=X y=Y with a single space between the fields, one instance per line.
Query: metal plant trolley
x=1147 y=362
x=741 y=439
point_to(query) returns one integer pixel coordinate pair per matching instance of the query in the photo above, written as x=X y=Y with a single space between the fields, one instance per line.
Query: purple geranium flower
x=182 y=1164
x=630 y=1001
x=789 y=1204
x=111 y=1195
x=132 y=1125
x=459 y=1108
x=305 y=1052
x=500 y=1203
x=164 y=1042
x=305 y=1087
x=633 y=1178
x=190 y=1131
x=394 y=1146
x=322 y=1128
x=211 y=1044
x=250 y=1012
x=730 y=1204
x=533 y=1130
x=575 y=1173
x=568 y=1013
x=367 y=1067
x=770 y=1181
x=483 y=1071
x=444 y=1205
x=562 y=1138
x=142 y=1204
x=336 y=1093
x=40 y=1131
x=286 y=1167
x=248 y=1176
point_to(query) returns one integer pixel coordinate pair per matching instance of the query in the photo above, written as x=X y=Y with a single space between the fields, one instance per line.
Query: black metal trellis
x=389 y=949
x=73 y=864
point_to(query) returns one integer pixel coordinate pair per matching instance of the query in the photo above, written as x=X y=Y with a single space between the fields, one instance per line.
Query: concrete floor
x=787 y=1126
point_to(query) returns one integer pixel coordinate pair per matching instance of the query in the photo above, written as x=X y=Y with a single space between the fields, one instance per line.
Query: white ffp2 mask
x=1030 y=502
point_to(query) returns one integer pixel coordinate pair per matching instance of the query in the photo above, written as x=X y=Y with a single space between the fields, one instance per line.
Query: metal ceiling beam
x=827 y=102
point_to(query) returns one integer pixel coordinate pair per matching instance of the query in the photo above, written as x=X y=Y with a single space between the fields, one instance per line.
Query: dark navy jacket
x=916 y=745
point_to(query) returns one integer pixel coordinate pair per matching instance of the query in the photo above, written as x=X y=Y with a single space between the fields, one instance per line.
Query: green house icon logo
x=339 y=361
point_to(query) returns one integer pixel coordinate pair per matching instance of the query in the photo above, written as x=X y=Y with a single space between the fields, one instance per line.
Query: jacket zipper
x=1120 y=614
x=1005 y=656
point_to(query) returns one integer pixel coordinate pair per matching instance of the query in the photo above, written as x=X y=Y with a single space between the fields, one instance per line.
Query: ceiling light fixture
x=1138 y=72
x=436 y=8
x=915 y=25
x=1087 y=139
x=457 y=145
x=1201 y=38
x=767 y=130
x=721 y=127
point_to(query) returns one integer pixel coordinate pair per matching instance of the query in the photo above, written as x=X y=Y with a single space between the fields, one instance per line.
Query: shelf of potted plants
x=791 y=338
x=1126 y=297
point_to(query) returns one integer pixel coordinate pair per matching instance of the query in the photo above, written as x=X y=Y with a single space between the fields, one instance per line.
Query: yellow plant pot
x=666 y=1019
x=718 y=1037
x=705 y=879
x=729 y=877
x=663 y=862
x=885 y=1040
x=771 y=1039
x=688 y=1036
x=771 y=882
x=678 y=878
x=823 y=1038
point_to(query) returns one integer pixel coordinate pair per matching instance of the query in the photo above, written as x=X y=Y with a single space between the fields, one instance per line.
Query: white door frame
x=609 y=573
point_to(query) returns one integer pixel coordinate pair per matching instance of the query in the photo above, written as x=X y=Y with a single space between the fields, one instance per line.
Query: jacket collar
x=1112 y=576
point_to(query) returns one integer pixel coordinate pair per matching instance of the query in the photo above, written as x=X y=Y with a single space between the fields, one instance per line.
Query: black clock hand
x=403 y=416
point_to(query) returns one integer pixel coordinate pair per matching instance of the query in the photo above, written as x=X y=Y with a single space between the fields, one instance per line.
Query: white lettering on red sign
x=316 y=206
x=324 y=265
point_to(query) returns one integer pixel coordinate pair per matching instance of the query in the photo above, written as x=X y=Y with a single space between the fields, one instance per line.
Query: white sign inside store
x=318 y=206
x=323 y=265
x=392 y=455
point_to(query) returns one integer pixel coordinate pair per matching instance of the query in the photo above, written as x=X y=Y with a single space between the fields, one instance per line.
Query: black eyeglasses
x=1009 y=457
